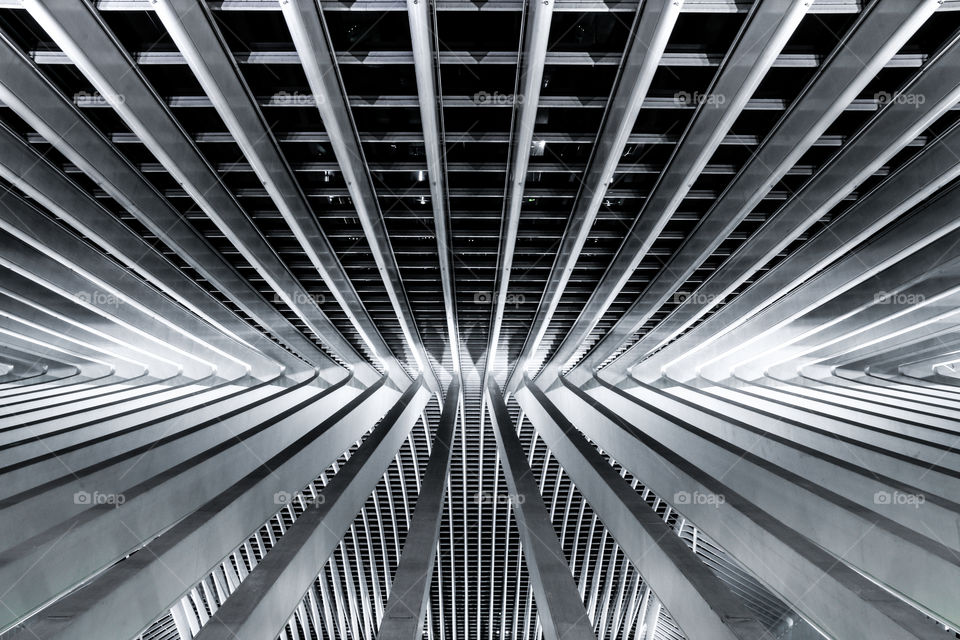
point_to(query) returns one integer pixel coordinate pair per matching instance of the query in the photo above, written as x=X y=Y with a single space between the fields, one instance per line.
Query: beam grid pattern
x=708 y=249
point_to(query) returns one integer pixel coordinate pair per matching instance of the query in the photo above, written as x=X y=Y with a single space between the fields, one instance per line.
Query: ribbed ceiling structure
x=479 y=319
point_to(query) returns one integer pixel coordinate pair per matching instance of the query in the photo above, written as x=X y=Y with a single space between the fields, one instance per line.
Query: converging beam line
x=559 y=605
x=407 y=605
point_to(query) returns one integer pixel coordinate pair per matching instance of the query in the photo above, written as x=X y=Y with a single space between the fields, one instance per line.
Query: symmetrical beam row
x=763 y=37
x=880 y=32
x=878 y=141
x=190 y=435
x=305 y=20
x=81 y=33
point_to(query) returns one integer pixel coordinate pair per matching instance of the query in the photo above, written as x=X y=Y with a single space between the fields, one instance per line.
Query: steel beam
x=874 y=145
x=698 y=601
x=119 y=446
x=194 y=32
x=41 y=454
x=889 y=385
x=29 y=171
x=410 y=590
x=494 y=193
x=720 y=169
x=222 y=496
x=266 y=599
x=536 y=34
x=423 y=36
x=559 y=606
x=848 y=468
x=834 y=598
x=701 y=58
x=464 y=137
x=135 y=461
x=866 y=433
x=850 y=526
x=918 y=244
x=932 y=169
x=651 y=617
x=880 y=32
x=651 y=30
x=49 y=112
x=31 y=373
x=20 y=305
x=867 y=321
x=27 y=318
x=79 y=30
x=469 y=101
x=304 y=19
x=127 y=365
x=927 y=352
x=498 y=6
x=92 y=366
x=36 y=248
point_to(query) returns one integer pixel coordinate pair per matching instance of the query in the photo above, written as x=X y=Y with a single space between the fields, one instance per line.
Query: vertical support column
x=651 y=617
x=180 y=620
x=560 y=609
x=403 y=616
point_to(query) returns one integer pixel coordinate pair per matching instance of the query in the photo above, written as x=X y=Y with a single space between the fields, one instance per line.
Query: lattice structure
x=479 y=320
